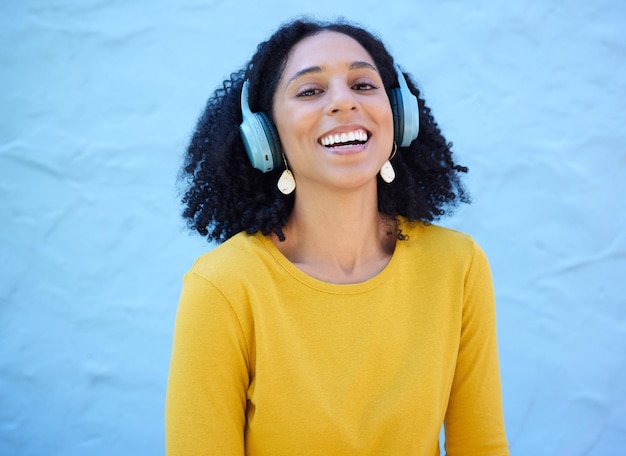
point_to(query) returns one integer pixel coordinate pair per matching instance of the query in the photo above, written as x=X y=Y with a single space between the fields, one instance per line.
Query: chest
x=352 y=367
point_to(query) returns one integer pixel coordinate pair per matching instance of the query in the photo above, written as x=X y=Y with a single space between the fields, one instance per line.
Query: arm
x=208 y=378
x=474 y=422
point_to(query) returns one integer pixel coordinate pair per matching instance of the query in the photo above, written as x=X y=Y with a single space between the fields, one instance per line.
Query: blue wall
x=99 y=98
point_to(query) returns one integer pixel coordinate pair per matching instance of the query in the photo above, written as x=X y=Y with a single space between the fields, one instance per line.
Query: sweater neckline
x=328 y=287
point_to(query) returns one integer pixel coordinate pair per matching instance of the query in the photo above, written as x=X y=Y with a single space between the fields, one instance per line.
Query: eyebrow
x=317 y=69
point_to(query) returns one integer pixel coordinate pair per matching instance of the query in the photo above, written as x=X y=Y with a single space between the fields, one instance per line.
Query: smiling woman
x=334 y=318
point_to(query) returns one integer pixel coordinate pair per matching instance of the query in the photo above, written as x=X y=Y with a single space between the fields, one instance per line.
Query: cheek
x=282 y=125
x=292 y=125
x=285 y=130
x=386 y=121
x=388 y=114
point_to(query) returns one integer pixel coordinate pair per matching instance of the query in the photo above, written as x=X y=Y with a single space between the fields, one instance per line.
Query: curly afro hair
x=224 y=195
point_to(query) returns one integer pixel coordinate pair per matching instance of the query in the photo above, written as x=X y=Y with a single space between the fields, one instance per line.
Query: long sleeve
x=474 y=419
x=208 y=379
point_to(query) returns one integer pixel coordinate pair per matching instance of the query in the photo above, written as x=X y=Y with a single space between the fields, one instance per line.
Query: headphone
x=262 y=143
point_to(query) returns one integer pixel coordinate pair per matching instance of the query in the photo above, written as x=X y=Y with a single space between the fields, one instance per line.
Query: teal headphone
x=261 y=139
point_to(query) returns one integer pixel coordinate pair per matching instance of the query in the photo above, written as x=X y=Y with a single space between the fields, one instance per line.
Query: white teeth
x=358 y=135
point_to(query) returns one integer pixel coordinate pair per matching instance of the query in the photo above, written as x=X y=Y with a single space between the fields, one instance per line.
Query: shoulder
x=232 y=275
x=442 y=248
x=237 y=256
x=439 y=239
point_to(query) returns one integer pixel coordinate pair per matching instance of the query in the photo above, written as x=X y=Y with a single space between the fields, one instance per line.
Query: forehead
x=325 y=48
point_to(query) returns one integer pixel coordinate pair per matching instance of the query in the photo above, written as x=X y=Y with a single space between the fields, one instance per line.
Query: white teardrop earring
x=286 y=183
x=387 y=173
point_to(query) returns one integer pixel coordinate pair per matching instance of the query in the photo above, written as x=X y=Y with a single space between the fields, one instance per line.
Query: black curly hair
x=223 y=194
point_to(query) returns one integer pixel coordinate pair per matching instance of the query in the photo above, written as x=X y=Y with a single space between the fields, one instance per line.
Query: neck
x=338 y=237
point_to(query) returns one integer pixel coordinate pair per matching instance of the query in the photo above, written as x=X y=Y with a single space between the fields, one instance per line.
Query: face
x=332 y=113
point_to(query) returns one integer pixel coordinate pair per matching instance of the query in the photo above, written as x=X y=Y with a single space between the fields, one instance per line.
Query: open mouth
x=345 y=139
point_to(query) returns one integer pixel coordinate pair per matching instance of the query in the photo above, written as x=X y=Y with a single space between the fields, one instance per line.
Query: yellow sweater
x=267 y=360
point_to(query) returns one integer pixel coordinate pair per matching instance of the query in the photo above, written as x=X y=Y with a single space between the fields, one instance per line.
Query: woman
x=334 y=318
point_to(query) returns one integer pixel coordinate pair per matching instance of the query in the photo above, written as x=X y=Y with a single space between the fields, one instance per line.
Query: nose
x=341 y=99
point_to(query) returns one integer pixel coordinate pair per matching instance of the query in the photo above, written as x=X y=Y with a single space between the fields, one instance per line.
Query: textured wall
x=98 y=100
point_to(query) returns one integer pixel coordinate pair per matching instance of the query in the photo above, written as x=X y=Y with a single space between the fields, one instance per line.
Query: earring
x=387 y=173
x=286 y=183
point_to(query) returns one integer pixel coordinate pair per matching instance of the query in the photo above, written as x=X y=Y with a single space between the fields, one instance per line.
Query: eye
x=364 y=86
x=308 y=92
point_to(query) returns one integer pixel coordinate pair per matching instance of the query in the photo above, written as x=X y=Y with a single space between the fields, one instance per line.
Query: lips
x=345 y=138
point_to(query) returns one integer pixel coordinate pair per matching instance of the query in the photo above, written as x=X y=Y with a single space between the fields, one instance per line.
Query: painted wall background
x=98 y=100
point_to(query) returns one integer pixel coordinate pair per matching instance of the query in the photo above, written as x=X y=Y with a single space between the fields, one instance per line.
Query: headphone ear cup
x=273 y=140
x=259 y=136
x=398 y=115
x=405 y=110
